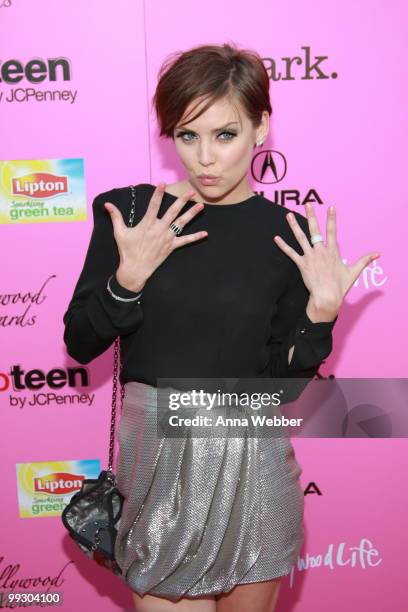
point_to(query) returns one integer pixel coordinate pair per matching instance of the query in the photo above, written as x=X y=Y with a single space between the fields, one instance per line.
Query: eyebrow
x=216 y=130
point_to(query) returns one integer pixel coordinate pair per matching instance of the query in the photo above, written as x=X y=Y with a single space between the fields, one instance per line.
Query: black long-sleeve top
x=228 y=305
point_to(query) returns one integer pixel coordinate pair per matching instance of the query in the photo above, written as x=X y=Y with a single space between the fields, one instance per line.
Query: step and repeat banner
x=76 y=87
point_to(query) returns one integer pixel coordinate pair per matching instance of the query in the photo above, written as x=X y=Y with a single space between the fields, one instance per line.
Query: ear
x=263 y=129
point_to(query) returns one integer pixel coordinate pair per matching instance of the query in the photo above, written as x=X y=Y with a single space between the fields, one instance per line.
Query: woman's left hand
x=326 y=277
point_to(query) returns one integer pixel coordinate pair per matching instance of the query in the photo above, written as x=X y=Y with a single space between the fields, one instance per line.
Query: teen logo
x=32 y=380
x=44 y=386
x=35 y=70
x=46 y=382
x=39 y=185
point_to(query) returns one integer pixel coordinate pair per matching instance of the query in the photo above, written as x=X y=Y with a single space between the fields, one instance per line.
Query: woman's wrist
x=317 y=314
x=128 y=281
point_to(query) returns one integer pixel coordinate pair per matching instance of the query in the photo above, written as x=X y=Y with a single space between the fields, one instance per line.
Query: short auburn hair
x=210 y=72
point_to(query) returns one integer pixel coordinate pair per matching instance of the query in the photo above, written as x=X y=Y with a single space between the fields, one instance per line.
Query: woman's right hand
x=145 y=246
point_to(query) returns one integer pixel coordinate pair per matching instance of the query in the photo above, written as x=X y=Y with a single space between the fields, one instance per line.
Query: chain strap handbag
x=93 y=512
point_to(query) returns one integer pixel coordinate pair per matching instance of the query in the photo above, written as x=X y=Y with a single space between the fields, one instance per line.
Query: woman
x=210 y=281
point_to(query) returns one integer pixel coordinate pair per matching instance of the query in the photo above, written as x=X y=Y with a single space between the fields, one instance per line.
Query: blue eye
x=182 y=134
x=230 y=135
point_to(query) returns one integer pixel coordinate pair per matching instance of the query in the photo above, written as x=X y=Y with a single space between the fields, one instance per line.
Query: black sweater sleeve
x=94 y=318
x=292 y=327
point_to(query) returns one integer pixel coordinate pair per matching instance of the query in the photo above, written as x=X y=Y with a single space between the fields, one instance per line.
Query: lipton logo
x=58 y=483
x=39 y=185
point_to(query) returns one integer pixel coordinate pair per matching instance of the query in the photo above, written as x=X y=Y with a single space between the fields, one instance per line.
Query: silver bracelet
x=121 y=299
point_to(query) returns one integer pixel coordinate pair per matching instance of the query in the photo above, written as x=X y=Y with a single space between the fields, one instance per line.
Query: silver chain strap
x=118 y=367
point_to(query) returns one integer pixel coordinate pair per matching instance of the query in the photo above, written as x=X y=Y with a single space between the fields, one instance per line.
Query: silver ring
x=176 y=229
x=316 y=238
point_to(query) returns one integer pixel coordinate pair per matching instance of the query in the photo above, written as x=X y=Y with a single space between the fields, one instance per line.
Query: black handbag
x=93 y=512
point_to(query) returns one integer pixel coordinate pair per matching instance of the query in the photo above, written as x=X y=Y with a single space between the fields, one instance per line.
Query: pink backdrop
x=341 y=127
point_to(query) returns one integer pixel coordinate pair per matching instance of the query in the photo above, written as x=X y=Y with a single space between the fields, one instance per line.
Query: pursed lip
x=209 y=176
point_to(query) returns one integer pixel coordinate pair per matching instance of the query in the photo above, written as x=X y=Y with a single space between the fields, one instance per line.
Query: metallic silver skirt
x=202 y=515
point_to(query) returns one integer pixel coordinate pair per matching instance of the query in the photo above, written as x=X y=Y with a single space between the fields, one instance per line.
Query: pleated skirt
x=202 y=514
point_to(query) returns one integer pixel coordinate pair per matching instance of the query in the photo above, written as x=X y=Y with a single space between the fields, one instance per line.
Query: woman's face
x=220 y=143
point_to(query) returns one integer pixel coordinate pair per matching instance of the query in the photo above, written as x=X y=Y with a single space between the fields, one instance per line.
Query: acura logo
x=269 y=167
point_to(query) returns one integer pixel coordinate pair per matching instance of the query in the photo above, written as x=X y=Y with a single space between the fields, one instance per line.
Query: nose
x=205 y=154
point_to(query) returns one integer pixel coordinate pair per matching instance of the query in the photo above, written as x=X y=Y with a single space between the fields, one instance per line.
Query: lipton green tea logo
x=42 y=191
x=45 y=488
